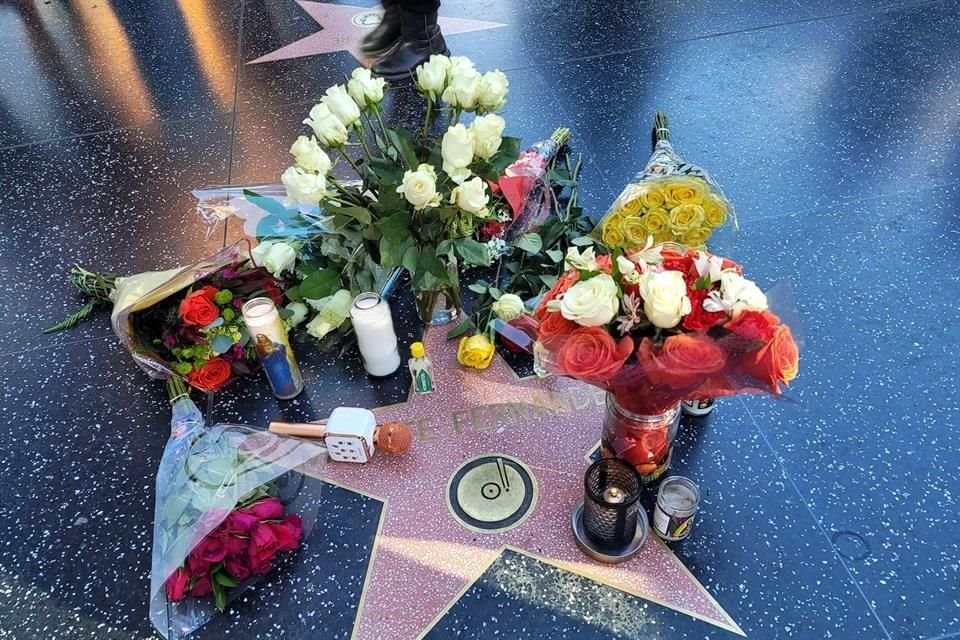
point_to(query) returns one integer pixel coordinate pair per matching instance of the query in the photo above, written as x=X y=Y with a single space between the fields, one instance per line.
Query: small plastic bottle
x=421 y=369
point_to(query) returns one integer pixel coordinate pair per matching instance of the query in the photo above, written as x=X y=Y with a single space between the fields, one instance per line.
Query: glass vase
x=441 y=305
x=643 y=441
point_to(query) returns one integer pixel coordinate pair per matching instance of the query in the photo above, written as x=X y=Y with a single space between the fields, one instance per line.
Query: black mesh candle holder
x=606 y=523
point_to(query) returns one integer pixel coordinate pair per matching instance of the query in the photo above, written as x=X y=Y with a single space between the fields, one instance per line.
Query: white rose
x=364 y=88
x=471 y=196
x=582 y=261
x=432 y=76
x=486 y=132
x=299 y=311
x=420 y=187
x=341 y=105
x=739 y=294
x=459 y=65
x=333 y=310
x=665 y=300
x=493 y=90
x=330 y=131
x=508 y=307
x=457 y=152
x=281 y=258
x=261 y=251
x=304 y=187
x=463 y=91
x=309 y=155
x=591 y=303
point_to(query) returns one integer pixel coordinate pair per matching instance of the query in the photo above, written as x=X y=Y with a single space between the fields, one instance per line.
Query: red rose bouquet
x=659 y=326
x=230 y=507
x=185 y=321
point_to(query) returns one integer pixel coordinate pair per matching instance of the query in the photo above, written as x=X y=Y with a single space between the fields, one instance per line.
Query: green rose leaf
x=473 y=252
x=360 y=214
x=403 y=140
x=460 y=329
x=221 y=344
x=396 y=227
x=293 y=293
x=225 y=579
x=530 y=242
x=508 y=153
x=321 y=284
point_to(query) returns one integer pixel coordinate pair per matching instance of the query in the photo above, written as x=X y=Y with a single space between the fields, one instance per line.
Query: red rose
x=754 y=325
x=197 y=565
x=554 y=330
x=265 y=509
x=202 y=587
x=525 y=325
x=288 y=533
x=683 y=363
x=177 y=585
x=593 y=355
x=673 y=261
x=260 y=567
x=699 y=318
x=263 y=543
x=212 y=550
x=238 y=568
x=211 y=376
x=241 y=522
x=198 y=308
x=236 y=546
x=775 y=362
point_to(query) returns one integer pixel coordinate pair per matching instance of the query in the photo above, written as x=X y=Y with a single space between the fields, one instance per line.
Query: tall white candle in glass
x=373 y=324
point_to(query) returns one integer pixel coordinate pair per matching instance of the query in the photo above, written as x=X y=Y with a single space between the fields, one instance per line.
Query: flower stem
x=351 y=162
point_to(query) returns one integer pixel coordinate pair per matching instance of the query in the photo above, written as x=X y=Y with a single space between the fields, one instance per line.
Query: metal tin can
x=698 y=408
x=677 y=503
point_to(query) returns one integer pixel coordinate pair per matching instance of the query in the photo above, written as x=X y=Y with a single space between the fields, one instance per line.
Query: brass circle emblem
x=368 y=19
x=491 y=493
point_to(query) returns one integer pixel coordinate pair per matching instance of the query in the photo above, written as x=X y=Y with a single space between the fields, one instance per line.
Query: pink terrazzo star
x=424 y=559
x=344 y=28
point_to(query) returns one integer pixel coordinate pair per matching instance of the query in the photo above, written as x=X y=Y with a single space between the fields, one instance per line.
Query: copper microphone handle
x=302 y=429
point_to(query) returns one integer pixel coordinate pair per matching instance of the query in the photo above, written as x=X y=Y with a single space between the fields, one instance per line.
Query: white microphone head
x=349 y=434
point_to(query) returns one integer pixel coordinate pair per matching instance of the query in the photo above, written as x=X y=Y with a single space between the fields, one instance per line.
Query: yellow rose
x=656 y=221
x=634 y=231
x=696 y=238
x=631 y=207
x=684 y=217
x=612 y=236
x=652 y=198
x=715 y=210
x=475 y=351
x=684 y=191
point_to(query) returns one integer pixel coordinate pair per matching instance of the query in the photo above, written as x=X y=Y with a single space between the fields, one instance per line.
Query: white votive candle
x=373 y=324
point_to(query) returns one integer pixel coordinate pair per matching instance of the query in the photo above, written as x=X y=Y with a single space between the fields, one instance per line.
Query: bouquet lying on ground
x=185 y=321
x=427 y=200
x=661 y=325
x=671 y=200
x=230 y=506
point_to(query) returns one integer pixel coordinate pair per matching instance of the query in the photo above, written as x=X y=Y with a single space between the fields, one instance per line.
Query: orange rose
x=211 y=376
x=684 y=362
x=777 y=361
x=593 y=355
x=198 y=308
x=563 y=285
x=554 y=328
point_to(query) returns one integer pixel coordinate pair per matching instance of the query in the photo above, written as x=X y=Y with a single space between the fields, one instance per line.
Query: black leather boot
x=386 y=35
x=421 y=39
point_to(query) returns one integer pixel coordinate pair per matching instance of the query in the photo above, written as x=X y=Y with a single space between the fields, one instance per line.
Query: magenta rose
x=263 y=543
x=238 y=568
x=236 y=546
x=197 y=565
x=266 y=509
x=211 y=550
x=288 y=533
x=177 y=585
x=201 y=587
x=240 y=522
x=260 y=568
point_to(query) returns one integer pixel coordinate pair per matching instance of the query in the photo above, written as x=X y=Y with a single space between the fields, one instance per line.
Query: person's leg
x=386 y=35
x=421 y=38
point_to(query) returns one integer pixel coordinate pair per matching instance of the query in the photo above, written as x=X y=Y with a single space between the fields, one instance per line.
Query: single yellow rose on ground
x=715 y=210
x=475 y=351
x=696 y=238
x=685 y=217
x=634 y=231
x=612 y=236
x=684 y=191
x=656 y=221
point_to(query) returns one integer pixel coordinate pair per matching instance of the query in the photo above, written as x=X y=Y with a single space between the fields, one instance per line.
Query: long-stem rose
x=593 y=355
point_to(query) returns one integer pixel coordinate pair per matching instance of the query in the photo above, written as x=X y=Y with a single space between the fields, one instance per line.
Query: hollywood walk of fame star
x=344 y=27
x=488 y=433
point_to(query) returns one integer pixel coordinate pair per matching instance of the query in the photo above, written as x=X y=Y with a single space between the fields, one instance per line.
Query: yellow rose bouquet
x=670 y=201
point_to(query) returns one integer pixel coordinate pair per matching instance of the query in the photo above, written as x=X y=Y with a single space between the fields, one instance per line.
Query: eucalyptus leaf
x=555 y=255
x=548 y=280
x=495 y=293
x=582 y=241
x=478 y=288
x=530 y=242
x=221 y=344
